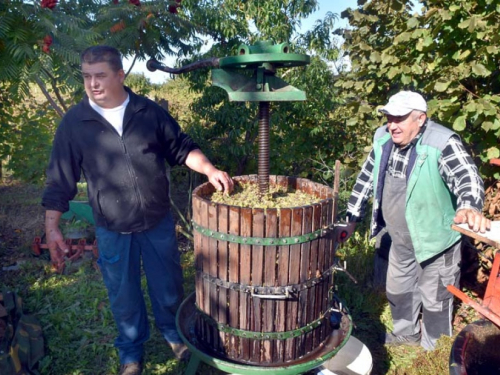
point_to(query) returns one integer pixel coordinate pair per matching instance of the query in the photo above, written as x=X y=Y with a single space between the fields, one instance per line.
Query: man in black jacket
x=120 y=141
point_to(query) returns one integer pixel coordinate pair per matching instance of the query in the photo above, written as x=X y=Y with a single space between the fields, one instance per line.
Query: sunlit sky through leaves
x=325 y=6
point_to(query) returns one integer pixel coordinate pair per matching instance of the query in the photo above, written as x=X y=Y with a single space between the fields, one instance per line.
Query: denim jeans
x=120 y=263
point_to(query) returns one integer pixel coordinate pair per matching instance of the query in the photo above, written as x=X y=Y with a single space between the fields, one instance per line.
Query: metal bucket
x=474 y=353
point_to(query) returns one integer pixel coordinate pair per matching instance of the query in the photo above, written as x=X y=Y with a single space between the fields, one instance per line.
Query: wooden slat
x=206 y=245
x=198 y=262
x=245 y=268
x=305 y=274
x=270 y=354
x=207 y=330
x=198 y=259
x=314 y=313
x=284 y=227
x=329 y=259
x=490 y=238
x=212 y=270
x=223 y=269
x=257 y=279
x=293 y=278
x=322 y=292
x=234 y=262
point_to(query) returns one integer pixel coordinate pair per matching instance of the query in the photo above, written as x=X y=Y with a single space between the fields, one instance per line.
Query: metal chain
x=289 y=291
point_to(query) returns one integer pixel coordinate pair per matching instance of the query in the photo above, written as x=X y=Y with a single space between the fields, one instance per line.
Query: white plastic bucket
x=353 y=358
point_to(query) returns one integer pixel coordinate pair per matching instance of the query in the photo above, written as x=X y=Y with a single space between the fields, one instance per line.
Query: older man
x=423 y=181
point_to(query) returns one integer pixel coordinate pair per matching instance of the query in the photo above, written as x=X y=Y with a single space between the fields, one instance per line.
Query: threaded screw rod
x=263 y=148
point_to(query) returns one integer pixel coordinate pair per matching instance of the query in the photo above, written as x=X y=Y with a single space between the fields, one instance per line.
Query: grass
x=79 y=329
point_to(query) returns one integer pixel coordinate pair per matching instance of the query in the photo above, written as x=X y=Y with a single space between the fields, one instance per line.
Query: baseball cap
x=403 y=103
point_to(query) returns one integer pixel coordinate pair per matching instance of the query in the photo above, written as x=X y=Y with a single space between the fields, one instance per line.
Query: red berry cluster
x=115 y=1
x=49 y=4
x=47 y=41
x=173 y=8
x=117 y=27
x=135 y=2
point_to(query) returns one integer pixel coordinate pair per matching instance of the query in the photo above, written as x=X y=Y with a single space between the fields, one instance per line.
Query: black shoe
x=132 y=368
x=392 y=340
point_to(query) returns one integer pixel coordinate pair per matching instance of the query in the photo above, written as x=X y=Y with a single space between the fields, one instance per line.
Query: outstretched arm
x=462 y=177
x=198 y=162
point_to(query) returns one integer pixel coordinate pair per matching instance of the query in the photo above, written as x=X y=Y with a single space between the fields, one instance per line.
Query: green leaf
x=445 y=15
x=464 y=24
x=352 y=122
x=492 y=49
x=493 y=153
x=375 y=57
x=473 y=107
x=463 y=55
x=417 y=69
x=480 y=70
x=419 y=33
x=428 y=41
x=472 y=24
x=487 y=125
x=459 y=123
x=365 y=109
x=441 y=86
x=394 y=71
x=364 y=47
x=386 y=58
x=412 y=23
x=403 y=37
x=370 y=86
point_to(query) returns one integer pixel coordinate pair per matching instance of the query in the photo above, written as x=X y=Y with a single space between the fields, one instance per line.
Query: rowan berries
x=117 y=27
x=135 y=2
x=173 y=8
x=48 y=4
x=47 y=40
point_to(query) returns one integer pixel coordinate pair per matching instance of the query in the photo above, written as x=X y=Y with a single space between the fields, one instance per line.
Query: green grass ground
x=79 y=329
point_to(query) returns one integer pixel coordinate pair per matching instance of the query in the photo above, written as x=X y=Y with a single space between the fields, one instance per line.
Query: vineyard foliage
x=448 y=50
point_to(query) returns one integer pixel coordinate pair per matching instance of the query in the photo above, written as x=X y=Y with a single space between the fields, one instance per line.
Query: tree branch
x=56 y=90
x=131 y=66
x=59 y=111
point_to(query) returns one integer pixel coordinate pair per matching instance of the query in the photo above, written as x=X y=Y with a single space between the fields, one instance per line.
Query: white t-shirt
x=112 y=115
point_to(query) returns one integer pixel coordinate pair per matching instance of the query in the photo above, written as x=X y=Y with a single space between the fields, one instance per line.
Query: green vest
x=430 y=205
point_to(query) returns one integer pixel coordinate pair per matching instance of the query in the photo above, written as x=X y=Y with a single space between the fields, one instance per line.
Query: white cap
x=403 y=103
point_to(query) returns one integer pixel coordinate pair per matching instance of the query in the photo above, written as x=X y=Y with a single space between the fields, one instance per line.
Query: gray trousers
x=414 y=287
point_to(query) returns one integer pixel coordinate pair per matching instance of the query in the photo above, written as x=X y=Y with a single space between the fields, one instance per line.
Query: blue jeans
x=120 y=263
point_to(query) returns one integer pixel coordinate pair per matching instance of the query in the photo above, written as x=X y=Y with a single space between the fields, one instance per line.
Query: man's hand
x=198 y=162
x=476 y=221
x=221 y=181
x=55 y=241
x=57 y=247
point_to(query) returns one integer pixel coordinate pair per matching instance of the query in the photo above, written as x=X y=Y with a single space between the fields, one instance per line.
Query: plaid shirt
x=455 y=166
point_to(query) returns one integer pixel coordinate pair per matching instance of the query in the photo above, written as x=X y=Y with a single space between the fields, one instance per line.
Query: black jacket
x=126 y=176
